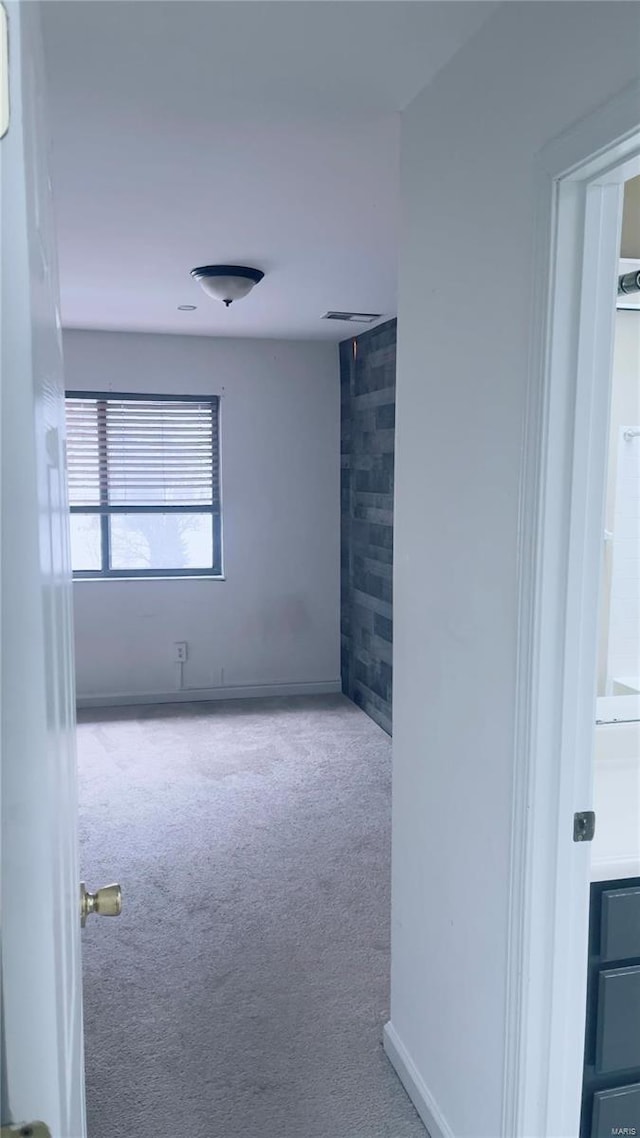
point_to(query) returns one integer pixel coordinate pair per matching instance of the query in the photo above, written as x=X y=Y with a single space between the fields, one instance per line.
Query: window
x=144 y=485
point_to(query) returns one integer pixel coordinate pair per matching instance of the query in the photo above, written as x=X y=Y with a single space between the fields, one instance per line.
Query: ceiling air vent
x=353 y=317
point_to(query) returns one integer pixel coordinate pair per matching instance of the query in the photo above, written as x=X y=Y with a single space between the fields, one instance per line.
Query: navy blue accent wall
x=368 y=387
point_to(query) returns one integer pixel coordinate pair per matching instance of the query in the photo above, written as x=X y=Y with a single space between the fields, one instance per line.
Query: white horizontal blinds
x=160 y=452
x=83 y=452
x=143 y=452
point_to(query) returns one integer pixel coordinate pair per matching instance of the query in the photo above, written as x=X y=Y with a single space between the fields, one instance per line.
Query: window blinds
x=151 y=452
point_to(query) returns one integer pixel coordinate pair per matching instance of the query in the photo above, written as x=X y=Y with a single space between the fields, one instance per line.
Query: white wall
x=615 y=851
x=469 y=196
x=275 y=619
x=625 y=395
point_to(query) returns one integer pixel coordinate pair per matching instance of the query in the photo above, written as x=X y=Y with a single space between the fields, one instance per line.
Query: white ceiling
x=261 y=133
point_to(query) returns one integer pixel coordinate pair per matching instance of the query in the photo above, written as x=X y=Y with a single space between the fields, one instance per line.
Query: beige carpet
x=243 y=991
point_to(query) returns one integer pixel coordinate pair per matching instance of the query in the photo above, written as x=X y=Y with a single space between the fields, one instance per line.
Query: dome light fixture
x=227 y=282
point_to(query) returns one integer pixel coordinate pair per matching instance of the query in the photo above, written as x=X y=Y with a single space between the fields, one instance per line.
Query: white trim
x=415 y=1085
x=201 y=695
x=561 y=524
x=603 y=145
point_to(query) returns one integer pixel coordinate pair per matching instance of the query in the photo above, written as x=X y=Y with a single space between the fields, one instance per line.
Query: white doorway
x=585 y=215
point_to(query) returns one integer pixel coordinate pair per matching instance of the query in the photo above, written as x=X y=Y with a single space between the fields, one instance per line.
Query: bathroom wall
x=367 y=381
x=619 y=617
x=616 y=797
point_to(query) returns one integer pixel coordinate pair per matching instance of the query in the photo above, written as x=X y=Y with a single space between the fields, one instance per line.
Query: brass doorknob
x=106 y=902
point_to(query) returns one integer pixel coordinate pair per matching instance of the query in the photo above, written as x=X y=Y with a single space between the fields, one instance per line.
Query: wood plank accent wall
x=368 y=382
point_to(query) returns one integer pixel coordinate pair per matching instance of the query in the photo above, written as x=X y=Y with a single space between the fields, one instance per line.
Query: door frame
x=579 y=195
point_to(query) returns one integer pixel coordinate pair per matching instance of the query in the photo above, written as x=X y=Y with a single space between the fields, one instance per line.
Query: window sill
x=158 y=577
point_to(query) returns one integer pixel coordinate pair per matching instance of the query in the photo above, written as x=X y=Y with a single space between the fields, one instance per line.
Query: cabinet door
x=618 y=1030
x=616 y=1112
x=620 y=929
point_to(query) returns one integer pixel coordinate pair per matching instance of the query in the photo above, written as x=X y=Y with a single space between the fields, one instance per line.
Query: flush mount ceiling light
x=187 y=307
x=227 y=282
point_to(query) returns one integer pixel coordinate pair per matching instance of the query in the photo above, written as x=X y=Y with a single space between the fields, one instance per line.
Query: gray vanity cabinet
x=611 y=1087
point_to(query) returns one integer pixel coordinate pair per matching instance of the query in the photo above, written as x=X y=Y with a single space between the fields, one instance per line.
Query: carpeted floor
x=243 y=991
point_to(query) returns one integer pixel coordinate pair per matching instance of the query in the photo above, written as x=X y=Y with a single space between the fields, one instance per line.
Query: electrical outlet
x=181 y=651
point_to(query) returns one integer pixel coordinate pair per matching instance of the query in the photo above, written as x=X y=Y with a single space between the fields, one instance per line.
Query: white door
x=43 y=1075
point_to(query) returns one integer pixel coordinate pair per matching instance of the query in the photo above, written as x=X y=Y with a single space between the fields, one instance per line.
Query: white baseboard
x=415 y=1085
x=203 y=695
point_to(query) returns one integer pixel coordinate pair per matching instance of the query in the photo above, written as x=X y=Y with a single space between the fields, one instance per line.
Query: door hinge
x=584 y=826
x=25 y=1130
x=4 y=76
